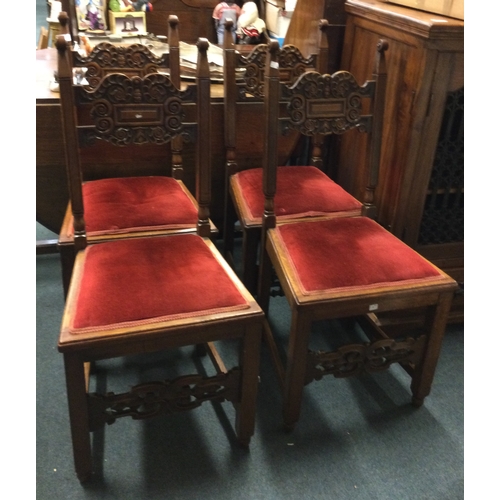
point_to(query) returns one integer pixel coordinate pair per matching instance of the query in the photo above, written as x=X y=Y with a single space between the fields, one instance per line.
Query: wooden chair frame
x=418 y=354
x=90 y=411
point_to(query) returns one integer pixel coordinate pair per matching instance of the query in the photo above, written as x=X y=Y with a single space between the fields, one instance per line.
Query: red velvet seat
x=303 y=191
x=148 y=294
x=126 y=206
x=131 y=204
x=355 y=255
x=120 y=288
x=349 y=268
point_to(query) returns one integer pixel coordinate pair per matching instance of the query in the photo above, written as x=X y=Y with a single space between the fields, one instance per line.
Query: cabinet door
x=420 y=73
x=407 y=90
x=436 y=215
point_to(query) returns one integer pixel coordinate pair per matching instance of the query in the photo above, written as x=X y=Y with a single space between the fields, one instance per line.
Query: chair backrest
x=135 y=60
x=132 y=60
x=244 y=77
x=123 y=111
x=323 y=104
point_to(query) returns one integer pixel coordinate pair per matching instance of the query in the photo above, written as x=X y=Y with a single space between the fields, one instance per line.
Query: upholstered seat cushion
x=300 y=192
x=350 y=253
x=118 y=205
x=147 y=280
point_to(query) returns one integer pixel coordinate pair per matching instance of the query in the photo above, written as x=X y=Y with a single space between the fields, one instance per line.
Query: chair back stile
x=70 y=134
x=230 y=91
x=204 y=153
x=322 y=62
x=375 y=138
x=270 y=160
x=321 y=67
x=175 y=76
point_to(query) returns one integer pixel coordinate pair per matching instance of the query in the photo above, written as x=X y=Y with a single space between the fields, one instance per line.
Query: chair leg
x=435 y=326
x=67 y=253
x=78 y=415
x=249 y=362
x=265 y=280
x=295 y=368
x=250 y=248
x=230 y=219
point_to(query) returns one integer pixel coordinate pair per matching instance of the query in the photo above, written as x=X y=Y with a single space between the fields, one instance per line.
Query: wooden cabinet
x=420 y=195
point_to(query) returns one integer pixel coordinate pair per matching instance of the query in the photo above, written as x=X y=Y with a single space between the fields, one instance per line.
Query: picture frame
x=91 y=15
x=127 y=23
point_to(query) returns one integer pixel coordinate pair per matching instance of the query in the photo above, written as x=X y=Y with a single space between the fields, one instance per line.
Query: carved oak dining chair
x=304 y=190
x=145 y=295
x=137 y=204
x=342 y=268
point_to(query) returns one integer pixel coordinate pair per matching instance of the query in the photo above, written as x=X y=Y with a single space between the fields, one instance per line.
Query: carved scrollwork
x=137 y=110
x=291 y=63
x=253 y=72
x=354 y=359
x=163 y=397
x=326 y=104
x=291 y=60
x=105 y=58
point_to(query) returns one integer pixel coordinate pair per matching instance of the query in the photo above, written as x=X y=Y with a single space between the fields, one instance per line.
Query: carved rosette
x=137 y=110
x=355 y=359
x=163 y=397
x=326 y=104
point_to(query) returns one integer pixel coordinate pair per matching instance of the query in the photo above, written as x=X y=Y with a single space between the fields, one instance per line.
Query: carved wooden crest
x=326 y=104
x=138 y=110
x=291 y=63
x=105 y=58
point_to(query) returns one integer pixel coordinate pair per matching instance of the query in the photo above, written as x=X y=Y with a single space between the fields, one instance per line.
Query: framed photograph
x=91 y=15
x=127 y=23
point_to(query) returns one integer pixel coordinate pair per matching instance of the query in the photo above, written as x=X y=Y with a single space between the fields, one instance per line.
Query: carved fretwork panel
x=354 y=359
x=165 y=397
x=127 y=110
x=333 y=106
x=106 y=58
x=443 y=217
x=291 y=65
